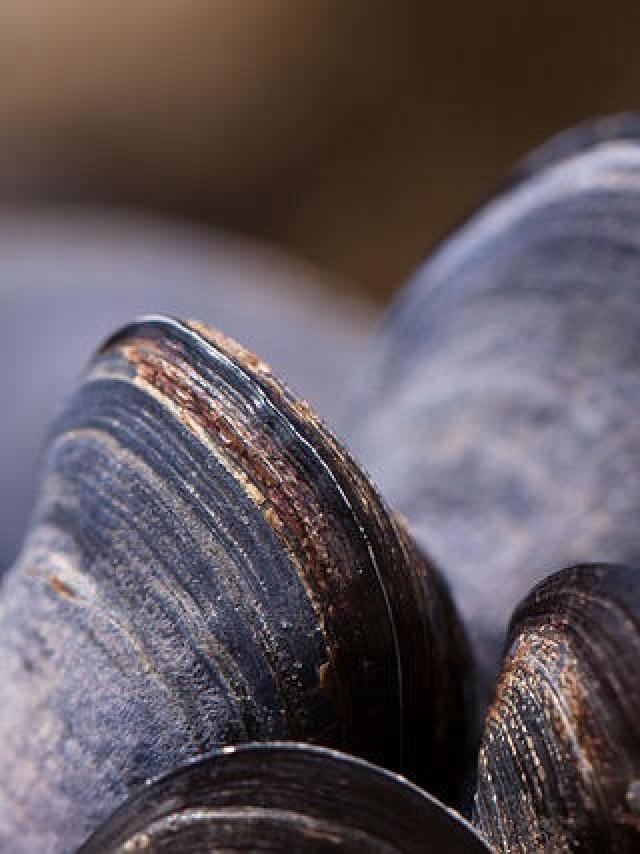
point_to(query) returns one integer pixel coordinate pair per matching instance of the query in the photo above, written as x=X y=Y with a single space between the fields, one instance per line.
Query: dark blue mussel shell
x=497 y=408
x=284 y=799
x=207 y=566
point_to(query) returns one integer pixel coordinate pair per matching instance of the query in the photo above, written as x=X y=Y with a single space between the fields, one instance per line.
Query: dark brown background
x=351 y=131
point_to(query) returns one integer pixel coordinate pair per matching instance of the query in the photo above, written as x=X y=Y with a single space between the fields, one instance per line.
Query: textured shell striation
x=559 y=766
x=284 y=798
x=207 y=566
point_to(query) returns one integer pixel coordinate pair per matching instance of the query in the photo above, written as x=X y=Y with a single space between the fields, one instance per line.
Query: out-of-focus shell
x=559 y=766
x=284 y=798
x=497 y=407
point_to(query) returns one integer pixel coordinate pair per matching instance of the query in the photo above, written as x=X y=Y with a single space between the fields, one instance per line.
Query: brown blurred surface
x=351 y=132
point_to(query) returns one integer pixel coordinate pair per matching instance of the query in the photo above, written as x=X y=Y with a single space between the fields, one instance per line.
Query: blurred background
x=351 y=132
x=273 y=167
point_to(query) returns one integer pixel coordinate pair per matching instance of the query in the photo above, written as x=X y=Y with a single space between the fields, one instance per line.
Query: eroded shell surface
x=207 y=566
x=559 y=766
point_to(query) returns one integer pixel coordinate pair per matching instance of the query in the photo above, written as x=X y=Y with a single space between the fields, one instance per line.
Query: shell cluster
x=212 y=597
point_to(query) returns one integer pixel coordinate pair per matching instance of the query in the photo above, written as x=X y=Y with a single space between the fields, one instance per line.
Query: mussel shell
x=497 y=406
x=283 y=798
x=69 y=276
x=559 y=765
x=207 y=566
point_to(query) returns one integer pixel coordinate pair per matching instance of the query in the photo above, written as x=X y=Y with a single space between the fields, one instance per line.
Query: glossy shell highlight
x=284 y=798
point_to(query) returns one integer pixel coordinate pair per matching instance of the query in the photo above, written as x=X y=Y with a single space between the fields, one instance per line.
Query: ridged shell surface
x=207 y=566
x=286 y=799
x=559 y=766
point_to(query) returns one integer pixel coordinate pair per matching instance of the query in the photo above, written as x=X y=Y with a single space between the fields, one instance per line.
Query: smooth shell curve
x=284 y=798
